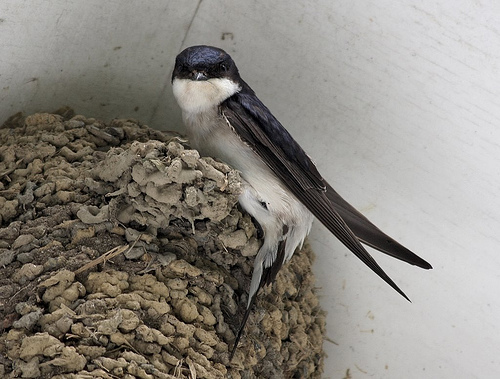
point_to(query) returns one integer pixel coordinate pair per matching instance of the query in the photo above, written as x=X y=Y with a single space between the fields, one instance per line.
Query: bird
x=282 y=188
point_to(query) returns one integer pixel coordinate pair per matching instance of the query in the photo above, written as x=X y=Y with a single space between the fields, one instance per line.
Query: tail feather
x=267 y=277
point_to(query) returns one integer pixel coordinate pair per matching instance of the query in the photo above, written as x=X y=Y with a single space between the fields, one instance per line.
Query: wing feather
x=269 y=139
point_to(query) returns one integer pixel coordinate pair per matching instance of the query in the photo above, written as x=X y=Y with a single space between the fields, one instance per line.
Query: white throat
x=198 y=96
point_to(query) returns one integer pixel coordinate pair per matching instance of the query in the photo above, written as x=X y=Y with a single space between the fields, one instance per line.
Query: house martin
x=282 y=188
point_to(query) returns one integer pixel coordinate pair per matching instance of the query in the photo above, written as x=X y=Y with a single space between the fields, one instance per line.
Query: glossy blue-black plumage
x=202 y=55
x=276 y=133
x=213 y=61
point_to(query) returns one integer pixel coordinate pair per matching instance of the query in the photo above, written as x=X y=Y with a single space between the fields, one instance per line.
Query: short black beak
x=198 y=75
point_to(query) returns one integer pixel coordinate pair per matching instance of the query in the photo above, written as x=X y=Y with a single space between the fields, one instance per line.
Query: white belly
x=212 y=136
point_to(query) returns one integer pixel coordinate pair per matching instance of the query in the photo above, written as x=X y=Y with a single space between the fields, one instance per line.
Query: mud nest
x=124 y=254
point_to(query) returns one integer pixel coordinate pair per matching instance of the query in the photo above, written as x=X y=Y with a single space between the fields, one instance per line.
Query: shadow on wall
x=99 y=93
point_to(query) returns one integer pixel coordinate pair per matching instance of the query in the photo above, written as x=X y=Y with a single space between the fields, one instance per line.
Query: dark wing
x=263 y=132
x=369 y=234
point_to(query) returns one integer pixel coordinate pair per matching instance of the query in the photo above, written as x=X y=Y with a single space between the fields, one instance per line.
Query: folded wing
x=269 y=139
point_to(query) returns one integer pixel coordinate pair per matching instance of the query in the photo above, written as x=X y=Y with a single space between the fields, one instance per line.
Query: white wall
x=399 y=104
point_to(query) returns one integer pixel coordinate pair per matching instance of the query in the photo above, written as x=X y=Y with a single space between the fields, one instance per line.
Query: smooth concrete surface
x=397 y=102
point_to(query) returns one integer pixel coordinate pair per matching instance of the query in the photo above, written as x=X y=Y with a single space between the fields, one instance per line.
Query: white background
x=397 y=102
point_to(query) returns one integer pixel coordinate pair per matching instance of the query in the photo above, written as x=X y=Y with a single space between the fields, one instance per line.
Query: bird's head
x=203 y=77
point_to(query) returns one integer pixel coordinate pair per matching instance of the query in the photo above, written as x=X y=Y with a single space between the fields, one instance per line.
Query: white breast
x=196 y=96
x=210 y=133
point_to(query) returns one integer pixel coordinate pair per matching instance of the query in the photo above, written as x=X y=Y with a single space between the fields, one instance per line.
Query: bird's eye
x=223 y=67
